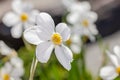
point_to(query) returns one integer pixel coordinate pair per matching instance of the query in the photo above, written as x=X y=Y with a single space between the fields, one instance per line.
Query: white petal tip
x=68 y=68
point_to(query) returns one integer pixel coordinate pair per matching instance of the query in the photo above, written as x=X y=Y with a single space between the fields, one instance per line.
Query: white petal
x=75 y=48
x=73 y=17
x=17 y=6
x=64 y=30
x=117 y=51
x=45 y=21
x=43 y=51
x=31 y=36
x=64 y=56
x=8 y=67
x=77 y=30
x=27 y=25
x=86 y=5
x=75 y=39
x=4 y=49
x=80 y=6
x=91 y=37
x=108 y=73
x=93 y=29
x=33 y=15
x=113 y=58
x=76 y=43
x=17 y=72
x=68 y=3
x=16 y=78
x=16 y=62
x=17 y=31
x=10 y=19
x=45 y=36
x=26 y=7
x=92 y=16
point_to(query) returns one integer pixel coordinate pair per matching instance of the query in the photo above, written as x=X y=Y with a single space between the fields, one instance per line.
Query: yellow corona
x=24 y=17
x=118 y=70
x=85 y=23
x=56 y=39
x=6 y=77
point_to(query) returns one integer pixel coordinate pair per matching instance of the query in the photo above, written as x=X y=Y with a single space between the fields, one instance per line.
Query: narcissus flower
x=12 y=70
x=83 y=20
x=75 y=43
x=6 y=50
x=76 y=6
x=111 y=72
x=22 y=16
x=48 y=37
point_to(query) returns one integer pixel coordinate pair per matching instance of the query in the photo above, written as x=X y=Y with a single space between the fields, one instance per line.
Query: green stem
x=33 y=68
x=83 y=65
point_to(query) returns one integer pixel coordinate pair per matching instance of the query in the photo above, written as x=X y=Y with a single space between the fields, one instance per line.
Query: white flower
x=75 y=43
x=111 y=72
x=83 y=20
x=12 y=70
x=68 y=3
x=76 y=6
x=4 y=49
x=22 y=16
x=48 y=37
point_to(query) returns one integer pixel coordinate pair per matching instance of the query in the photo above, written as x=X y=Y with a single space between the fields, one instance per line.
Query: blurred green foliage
x=52 y=70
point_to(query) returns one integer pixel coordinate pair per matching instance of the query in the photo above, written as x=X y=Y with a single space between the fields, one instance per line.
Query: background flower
x=12 y=70
x=112 y=72
x=83 y=20
x=22 y=15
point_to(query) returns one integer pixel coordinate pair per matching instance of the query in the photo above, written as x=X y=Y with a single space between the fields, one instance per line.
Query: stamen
x=24 y=17
x=85 y=23
x=68 y=42
x=118 y=70
x=6 y=77
x=56 y=39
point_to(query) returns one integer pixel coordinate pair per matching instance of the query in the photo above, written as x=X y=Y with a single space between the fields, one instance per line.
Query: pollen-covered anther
x=24 y=17
x=68 y=42
x=85 y=23
x=6 y=77
x=118 y=70
x=56 y=39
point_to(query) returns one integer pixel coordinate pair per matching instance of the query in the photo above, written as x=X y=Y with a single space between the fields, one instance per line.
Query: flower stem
x=27 y=45
x=33 y=68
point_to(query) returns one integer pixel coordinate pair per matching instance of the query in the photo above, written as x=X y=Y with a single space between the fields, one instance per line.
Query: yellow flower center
x=68 y=42
x=85 y=23
x=6 y=77
x=118 y=70
x=56 y=39
x=24 y=17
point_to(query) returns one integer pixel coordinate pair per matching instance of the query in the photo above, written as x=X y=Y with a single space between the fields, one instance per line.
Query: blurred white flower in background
x=68 y=3
x=75 y=43
x=6 y=50
x=82 y=19
x=111 y=72
x=21 y=17
x=48 y=37
x=77 y=6
x=12 y=70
